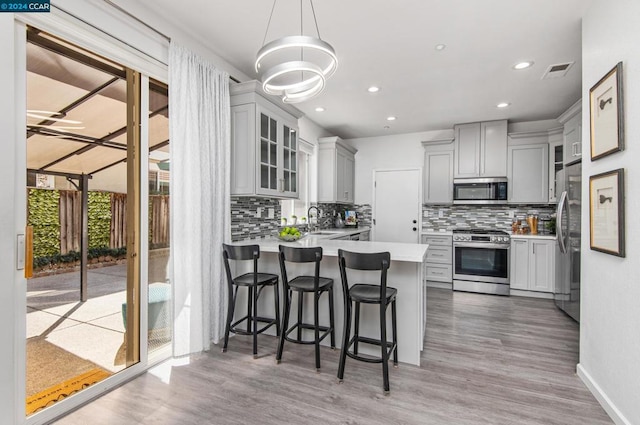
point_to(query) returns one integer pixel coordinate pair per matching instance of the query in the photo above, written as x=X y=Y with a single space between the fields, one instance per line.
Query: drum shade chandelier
x=295 y=67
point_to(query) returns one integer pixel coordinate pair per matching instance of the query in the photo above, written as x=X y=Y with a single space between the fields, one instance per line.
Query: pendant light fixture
x=295 y=67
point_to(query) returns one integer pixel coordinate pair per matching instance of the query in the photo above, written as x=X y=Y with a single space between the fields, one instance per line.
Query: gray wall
x=610 y=310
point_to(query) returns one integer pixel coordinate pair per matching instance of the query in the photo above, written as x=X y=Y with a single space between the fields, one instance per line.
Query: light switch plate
x=440 y=213
x=425 y=213
x=259 y=212
x=271 y=213
x=511 y=214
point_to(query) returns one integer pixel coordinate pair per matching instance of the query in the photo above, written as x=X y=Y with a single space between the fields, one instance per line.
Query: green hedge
x=73 y=256
x=99 y=210
x=44 y=217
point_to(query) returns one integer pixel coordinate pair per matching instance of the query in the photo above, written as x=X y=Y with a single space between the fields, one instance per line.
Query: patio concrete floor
x=92 y=330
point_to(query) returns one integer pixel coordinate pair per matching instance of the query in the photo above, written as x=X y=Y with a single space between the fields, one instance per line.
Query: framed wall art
x=606 y=114
x=606 y=212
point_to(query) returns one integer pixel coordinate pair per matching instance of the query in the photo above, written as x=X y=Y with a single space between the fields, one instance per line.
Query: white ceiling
x=391 y=44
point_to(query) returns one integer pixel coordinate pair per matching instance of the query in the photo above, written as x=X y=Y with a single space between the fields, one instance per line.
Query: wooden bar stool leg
x=276 y=296
x=383 y=345
x=316 y=331
x=227 y=328
x=332 y=321
x=300 y=303
x=255 y=322
x=345 y=338
x=285 y=324
x=395 y=332
x=356 y=328
x=249 y=307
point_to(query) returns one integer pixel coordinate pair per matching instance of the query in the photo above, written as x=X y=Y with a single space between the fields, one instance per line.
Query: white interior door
x=397 y=205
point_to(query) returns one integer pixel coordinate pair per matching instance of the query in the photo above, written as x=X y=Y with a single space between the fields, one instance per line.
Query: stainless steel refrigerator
x=567 y=290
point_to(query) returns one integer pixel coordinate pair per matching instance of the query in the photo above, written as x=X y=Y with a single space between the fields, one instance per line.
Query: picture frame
x=606 y=115
x=606 y=212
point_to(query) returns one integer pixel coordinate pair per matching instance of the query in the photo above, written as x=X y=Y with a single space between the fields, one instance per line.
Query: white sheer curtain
x=199 y=113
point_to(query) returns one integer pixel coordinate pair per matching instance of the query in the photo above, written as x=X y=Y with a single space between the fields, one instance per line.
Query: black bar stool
x=305 y=284
x=368 y=294
x=255 y=282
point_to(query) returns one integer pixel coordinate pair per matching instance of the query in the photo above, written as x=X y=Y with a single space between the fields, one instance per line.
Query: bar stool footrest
x=269 y=322
x=327 y=331
x=361 y=339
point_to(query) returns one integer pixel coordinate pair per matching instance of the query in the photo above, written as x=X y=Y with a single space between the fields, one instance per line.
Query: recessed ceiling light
x=503 y=105
x=523 y=65
x=373 y=89
x=391 y=118
x=440 y=46
x=319 y=109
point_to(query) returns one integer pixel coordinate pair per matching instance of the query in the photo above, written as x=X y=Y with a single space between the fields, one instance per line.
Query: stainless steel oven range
x=481 y=261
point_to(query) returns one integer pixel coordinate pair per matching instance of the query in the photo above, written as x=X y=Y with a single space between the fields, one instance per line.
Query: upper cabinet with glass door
x=264 y=143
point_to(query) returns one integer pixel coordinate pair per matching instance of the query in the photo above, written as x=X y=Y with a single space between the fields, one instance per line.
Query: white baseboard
x=530 y=294
x=602 y=398
x=442 y=285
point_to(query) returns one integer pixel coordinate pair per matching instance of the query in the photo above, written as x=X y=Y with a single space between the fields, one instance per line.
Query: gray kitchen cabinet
x=439 y=259
x=571 y=119
x=556 y=164
x=481 y=149
x=336 y=165
x=264 y=144
x=528 y=173
x=364 y=236
x=532 y=264
x=438 y=172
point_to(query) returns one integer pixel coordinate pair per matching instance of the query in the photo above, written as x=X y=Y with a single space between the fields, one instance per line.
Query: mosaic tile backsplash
x=481 y=216
x=248 y=223
x=363 y=213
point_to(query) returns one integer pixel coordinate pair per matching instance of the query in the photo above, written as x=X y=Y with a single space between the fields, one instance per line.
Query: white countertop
x=529 y=236
x=441 y=232
x=408 y=252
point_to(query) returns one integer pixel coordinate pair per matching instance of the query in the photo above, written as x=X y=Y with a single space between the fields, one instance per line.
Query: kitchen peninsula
x=405 y=274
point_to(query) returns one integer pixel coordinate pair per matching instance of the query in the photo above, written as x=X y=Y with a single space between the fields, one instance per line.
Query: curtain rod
x=121 y=10
x=166 y=37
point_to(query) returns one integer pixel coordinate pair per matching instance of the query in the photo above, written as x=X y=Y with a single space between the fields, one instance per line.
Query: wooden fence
x=70 y=214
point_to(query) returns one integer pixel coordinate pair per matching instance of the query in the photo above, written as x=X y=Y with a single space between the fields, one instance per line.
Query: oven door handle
x=480 y=245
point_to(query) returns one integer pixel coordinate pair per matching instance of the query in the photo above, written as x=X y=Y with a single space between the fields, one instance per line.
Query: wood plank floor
x=487 y=360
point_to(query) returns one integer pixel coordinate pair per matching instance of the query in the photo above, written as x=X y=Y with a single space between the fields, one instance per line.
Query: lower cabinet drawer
x=439 y=272
x=439 y=254
x=436 y=240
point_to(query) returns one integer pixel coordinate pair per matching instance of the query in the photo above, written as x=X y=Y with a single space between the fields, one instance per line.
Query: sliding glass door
x=86 y=200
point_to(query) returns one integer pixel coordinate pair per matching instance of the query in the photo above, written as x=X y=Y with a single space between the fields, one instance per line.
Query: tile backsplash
x=250 y=216
x=482 y=216
x=363 y=212
x=249 y=223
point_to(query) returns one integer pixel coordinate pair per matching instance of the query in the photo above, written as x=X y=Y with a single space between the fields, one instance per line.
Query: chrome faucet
x=313 y=227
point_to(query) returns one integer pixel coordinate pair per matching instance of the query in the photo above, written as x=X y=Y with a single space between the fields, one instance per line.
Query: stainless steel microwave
x=492 y=190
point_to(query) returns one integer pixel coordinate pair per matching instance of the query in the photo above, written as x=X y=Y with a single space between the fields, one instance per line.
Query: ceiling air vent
x=558 y=70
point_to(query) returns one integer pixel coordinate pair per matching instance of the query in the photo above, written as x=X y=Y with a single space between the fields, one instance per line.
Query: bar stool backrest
x=300 y=255
x=240 y=253
x=364 y=261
